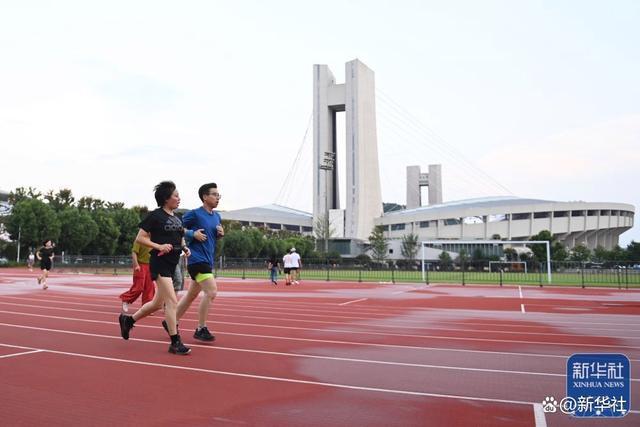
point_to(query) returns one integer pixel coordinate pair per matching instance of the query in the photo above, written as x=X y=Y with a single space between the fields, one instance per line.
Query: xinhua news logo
x=598 y=385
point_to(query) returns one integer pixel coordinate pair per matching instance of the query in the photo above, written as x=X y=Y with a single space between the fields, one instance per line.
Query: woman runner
x=162 y=231
x=45 y=256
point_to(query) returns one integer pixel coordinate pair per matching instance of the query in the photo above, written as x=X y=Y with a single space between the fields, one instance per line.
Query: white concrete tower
x=357 y=98
x=416 y=180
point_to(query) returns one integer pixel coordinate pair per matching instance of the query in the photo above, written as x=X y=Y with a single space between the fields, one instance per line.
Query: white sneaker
x=125 y=307
x=295 y=282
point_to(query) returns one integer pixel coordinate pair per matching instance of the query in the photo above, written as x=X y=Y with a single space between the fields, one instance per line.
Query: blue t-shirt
x=196 y=219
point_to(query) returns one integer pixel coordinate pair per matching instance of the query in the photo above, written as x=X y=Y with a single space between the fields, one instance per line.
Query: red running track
x=317 y=354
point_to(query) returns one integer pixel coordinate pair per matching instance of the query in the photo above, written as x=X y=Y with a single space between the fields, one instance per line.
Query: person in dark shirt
x=45 y=256
x=273 y=266
x=161 y=231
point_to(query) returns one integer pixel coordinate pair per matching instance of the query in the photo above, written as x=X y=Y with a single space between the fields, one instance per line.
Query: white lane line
x=283 y=379
x=400 y=324
x=351 y=302
x=522 y=308
x=360 y=310
x=538 y=413
x=520 y=291
x=351 y=332
x=20 y=354
x=307 y=356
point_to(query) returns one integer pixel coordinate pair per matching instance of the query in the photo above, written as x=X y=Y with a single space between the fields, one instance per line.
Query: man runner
x=201 y=261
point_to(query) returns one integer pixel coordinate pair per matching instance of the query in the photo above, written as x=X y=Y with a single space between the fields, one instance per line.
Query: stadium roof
x=472 y=203
x=269 y=213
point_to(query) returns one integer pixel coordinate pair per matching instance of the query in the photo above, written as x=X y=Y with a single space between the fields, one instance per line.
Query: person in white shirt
x=296 y=264
x=286 y=261
x=31 y=260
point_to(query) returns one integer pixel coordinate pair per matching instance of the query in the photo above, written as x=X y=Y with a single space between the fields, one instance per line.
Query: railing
x=585 y=274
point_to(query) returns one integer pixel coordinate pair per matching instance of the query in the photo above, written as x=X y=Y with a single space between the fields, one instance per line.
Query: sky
x=531 y=98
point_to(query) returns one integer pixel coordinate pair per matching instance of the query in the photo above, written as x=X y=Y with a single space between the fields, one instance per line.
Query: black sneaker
x=203 y=334
x=166 y=328
x=126 y=324
x=179 y=348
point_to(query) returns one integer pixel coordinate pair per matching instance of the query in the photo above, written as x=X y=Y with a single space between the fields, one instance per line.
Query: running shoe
x=126 y=324
x=203 y=334
x=179 y=348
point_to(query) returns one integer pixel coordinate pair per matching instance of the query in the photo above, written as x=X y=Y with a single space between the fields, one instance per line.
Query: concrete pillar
x=414 y=199
x=416 y=180
x=435 y=184
x=357 y=98
x=364 y=194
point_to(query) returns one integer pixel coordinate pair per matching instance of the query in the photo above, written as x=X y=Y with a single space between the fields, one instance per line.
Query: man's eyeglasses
x=216 y=195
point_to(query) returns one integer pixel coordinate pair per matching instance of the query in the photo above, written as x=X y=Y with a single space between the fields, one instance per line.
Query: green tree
x=91 y=204
x=35 y=221
x=22 y=193
x=478 y=255
x=141 y=211
x=77 y=230
x=633 y=251
x=618 y=254
x=237 y=244
x=445 y=261
x=510 y=254
x=106 y=241
x=323 y=231
x=379 y=245
x=558 y=251
x=409 y=247
x=258 y=240
x=463 y=258
x=61 y=200
x=600 y=254
x=127 y=221
x=580 y=253
x=304 y=245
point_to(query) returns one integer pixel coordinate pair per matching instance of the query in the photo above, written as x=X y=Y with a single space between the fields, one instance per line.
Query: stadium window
x=472 y=220
x=604 y=213
x=577 y=213
x=560 y=214
x=273 y=226
x=614 y=213
x=497 y=218
x=244 y=223
x=292 y=227
x=307 y=229
x=592 y=213
x=520 y=216
x=541 y=214
x=424 y=224
x=452 y=221
x=396 y=227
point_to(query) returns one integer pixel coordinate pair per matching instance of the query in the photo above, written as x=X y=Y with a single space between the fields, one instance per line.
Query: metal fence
x=585 y=274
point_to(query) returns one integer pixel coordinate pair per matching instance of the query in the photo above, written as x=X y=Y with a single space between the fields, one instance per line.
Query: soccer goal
x=447 y=245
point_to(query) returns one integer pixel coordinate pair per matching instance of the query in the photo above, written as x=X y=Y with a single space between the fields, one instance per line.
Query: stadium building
x=592 y=224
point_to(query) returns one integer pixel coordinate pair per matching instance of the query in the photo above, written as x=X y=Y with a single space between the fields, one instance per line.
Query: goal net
x=488 y=256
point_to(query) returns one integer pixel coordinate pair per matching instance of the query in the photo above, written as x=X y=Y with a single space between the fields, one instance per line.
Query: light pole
x=327 y=165
x=19 y=233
